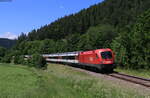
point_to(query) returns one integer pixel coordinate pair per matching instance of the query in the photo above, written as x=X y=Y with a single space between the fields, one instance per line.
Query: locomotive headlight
x=108 y=61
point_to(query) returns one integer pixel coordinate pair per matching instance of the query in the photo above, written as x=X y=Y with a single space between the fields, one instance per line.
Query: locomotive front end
x=107 y=61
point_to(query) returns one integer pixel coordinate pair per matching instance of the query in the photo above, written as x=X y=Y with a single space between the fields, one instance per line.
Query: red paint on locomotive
x=99 y=56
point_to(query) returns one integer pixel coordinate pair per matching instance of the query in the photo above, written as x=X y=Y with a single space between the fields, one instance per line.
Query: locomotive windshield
x=106 y=55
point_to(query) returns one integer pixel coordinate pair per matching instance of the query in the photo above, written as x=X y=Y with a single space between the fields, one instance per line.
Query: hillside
x=117 y=13
x=7 y=43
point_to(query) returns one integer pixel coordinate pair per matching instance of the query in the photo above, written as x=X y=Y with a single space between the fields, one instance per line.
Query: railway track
x=133 y=79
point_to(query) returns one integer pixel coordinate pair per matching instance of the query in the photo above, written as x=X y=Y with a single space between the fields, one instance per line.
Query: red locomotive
x=102 y=59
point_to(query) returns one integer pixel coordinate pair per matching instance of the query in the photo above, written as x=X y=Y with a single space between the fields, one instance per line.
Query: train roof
x=95 y=51
x=62 y=54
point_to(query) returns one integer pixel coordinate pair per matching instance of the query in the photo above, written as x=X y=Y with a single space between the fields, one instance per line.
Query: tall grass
x=16 y=81
x=56 y=82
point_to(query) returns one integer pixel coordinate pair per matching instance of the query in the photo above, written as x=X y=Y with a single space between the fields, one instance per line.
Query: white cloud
x=8 y=35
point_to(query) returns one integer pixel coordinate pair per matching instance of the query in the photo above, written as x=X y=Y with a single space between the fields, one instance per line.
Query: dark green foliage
x=47 y=46
x=71 y=42
x=18 y=58
x=6 y=55
x=2 y=52
x=22 y=37
x=118 y=14
x=121 y=47
x=141 y=42
x=7 y=58
x=38 y=61
x=97 y=37
x=60 y=46
x=132 y=48
x=28 y=47
x=42 y=47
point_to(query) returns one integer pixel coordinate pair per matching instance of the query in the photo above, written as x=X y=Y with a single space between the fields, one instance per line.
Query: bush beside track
x=35 y=61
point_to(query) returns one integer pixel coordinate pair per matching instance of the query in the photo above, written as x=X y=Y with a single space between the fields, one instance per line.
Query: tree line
x=119 y=14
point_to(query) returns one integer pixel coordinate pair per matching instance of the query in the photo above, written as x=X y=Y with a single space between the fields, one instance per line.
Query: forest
x=122 y=25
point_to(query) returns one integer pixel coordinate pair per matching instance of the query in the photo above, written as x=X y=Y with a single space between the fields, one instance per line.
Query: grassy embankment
x=141 y=73
x=56 y=82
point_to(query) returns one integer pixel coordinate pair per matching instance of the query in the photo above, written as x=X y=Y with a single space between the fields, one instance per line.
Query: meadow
x=58 y=81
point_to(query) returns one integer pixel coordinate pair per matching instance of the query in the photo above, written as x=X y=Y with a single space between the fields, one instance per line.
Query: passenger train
x=101 y=59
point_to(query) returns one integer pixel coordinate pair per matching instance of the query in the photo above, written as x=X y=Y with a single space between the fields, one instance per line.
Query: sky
x=17 y=16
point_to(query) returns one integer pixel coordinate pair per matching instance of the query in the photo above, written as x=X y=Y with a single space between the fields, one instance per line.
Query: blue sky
x=25 y=15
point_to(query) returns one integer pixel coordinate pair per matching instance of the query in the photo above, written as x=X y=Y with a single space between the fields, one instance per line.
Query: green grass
x=141 y=73
x=57 y=82
x=16 y=81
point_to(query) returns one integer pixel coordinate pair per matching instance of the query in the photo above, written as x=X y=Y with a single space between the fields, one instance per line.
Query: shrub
x=6 y=59
x=38 y=61
x=18 y=59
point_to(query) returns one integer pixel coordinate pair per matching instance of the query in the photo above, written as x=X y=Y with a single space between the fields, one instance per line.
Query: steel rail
x=133 y=79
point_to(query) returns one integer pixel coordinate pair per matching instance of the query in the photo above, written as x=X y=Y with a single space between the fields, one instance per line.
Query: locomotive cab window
x=106 y=55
